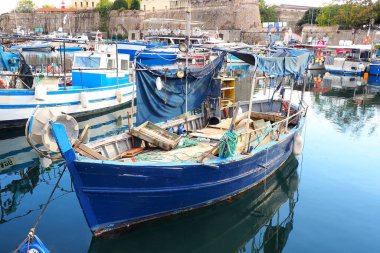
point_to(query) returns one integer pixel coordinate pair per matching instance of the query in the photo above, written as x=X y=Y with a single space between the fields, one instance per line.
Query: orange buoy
x=2 y=84
x=365 y=77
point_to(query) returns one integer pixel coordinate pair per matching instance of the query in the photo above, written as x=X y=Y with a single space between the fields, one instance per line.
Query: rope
x=227 y=145
x=30 y=235
x=187 y=143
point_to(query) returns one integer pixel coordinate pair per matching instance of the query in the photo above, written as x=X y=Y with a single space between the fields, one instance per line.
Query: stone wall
x=334 y=35
x=76 y=22
x=226 y=15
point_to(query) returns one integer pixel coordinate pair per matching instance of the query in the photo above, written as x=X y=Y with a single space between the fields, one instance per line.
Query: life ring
x=2 y=84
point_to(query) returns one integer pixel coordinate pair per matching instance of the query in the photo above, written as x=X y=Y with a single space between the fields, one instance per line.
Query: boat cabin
x=99 y=69
x=168 y=40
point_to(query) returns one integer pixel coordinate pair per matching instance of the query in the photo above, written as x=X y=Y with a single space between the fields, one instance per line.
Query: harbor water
x=325 y=200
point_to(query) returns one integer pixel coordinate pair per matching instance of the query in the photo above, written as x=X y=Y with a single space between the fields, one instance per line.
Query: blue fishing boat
x=150 y=172
x=35 y=46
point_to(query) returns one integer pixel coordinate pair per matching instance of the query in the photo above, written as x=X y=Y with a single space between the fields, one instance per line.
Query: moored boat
x=349 y=59
x=97 y=84
x=121 y=181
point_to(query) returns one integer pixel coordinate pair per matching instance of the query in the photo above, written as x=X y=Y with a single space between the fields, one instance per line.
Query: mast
x=188 y=20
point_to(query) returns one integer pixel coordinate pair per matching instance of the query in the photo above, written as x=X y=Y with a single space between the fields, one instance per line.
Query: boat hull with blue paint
x=115 y=195
x=374 y=67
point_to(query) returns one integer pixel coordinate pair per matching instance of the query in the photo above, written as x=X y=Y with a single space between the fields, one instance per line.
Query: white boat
x=349 y=59
x=96 y=86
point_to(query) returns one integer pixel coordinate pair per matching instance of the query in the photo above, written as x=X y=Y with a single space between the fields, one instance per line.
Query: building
x=154 y=5
x=85 y=4
x=290 y=13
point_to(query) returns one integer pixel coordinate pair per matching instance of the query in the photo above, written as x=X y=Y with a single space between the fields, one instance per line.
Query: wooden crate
x=156 y=135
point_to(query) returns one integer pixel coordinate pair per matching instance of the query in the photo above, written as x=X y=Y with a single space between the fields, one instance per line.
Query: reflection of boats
x=96 y=86
x=228 y=227
x=337 y=83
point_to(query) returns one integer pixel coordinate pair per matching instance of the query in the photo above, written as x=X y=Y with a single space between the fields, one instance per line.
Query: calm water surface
x=327 y=200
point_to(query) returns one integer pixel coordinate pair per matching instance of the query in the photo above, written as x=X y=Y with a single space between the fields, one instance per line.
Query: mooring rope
x=31 y=233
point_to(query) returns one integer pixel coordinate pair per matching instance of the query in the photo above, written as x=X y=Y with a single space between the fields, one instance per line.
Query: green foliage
x=309 y=17
x=104 y=7
x=48 y=6
x=118 y=4
x=135 y=5
x=350 y=14
x=25 y=6
x=327 y=14
x=267 y=12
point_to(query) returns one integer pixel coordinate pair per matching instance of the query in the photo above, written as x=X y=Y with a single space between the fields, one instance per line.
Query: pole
x=188 y=20
x=117 y=67
x=64 y=65
x=289 y=105
x=133 y=87
x=250 y=109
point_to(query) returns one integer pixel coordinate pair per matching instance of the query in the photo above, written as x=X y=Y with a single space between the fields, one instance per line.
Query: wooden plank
x=88 y=152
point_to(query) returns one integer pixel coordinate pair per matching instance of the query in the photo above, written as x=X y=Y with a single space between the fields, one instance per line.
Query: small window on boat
x=110 y=64
x=87 y=62
x=124 y=65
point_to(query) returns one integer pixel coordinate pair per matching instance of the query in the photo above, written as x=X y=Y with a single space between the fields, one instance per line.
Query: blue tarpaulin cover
x=280 y=62
x=160 y=105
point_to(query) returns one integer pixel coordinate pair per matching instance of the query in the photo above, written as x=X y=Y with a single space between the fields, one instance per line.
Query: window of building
x=93 y=4
x=76 y=4
x=87 y=4
x=153 y=9
x=81 y=4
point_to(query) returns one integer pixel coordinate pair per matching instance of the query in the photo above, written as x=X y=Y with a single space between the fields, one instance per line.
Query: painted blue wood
x=117 y=194
x=95 y=80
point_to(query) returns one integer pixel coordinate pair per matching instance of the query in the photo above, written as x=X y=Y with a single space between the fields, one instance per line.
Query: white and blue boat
x=117 y=187
x=349 y=60
x=96 y=86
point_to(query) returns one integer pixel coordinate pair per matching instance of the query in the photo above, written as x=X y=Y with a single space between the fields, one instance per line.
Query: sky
x=8 y=5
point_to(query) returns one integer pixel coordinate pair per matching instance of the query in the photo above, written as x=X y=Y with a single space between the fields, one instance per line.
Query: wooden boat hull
x=115 y=195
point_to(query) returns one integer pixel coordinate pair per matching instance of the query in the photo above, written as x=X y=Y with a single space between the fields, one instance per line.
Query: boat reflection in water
x=350 y=103
x=251 y=222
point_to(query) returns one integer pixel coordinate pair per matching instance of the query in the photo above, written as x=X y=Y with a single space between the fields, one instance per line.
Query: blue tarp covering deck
x=157 y=106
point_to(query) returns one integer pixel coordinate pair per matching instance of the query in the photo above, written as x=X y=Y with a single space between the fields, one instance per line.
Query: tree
x=309 y=17
x=135 y=5
x=48 y=6
x=104 y=7
x=349 y=14
x=25 y=6
x=118 y=4
x=267 y=12
x=326 y=15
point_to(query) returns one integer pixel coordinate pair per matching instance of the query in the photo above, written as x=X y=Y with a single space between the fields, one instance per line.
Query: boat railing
x=273 y=126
